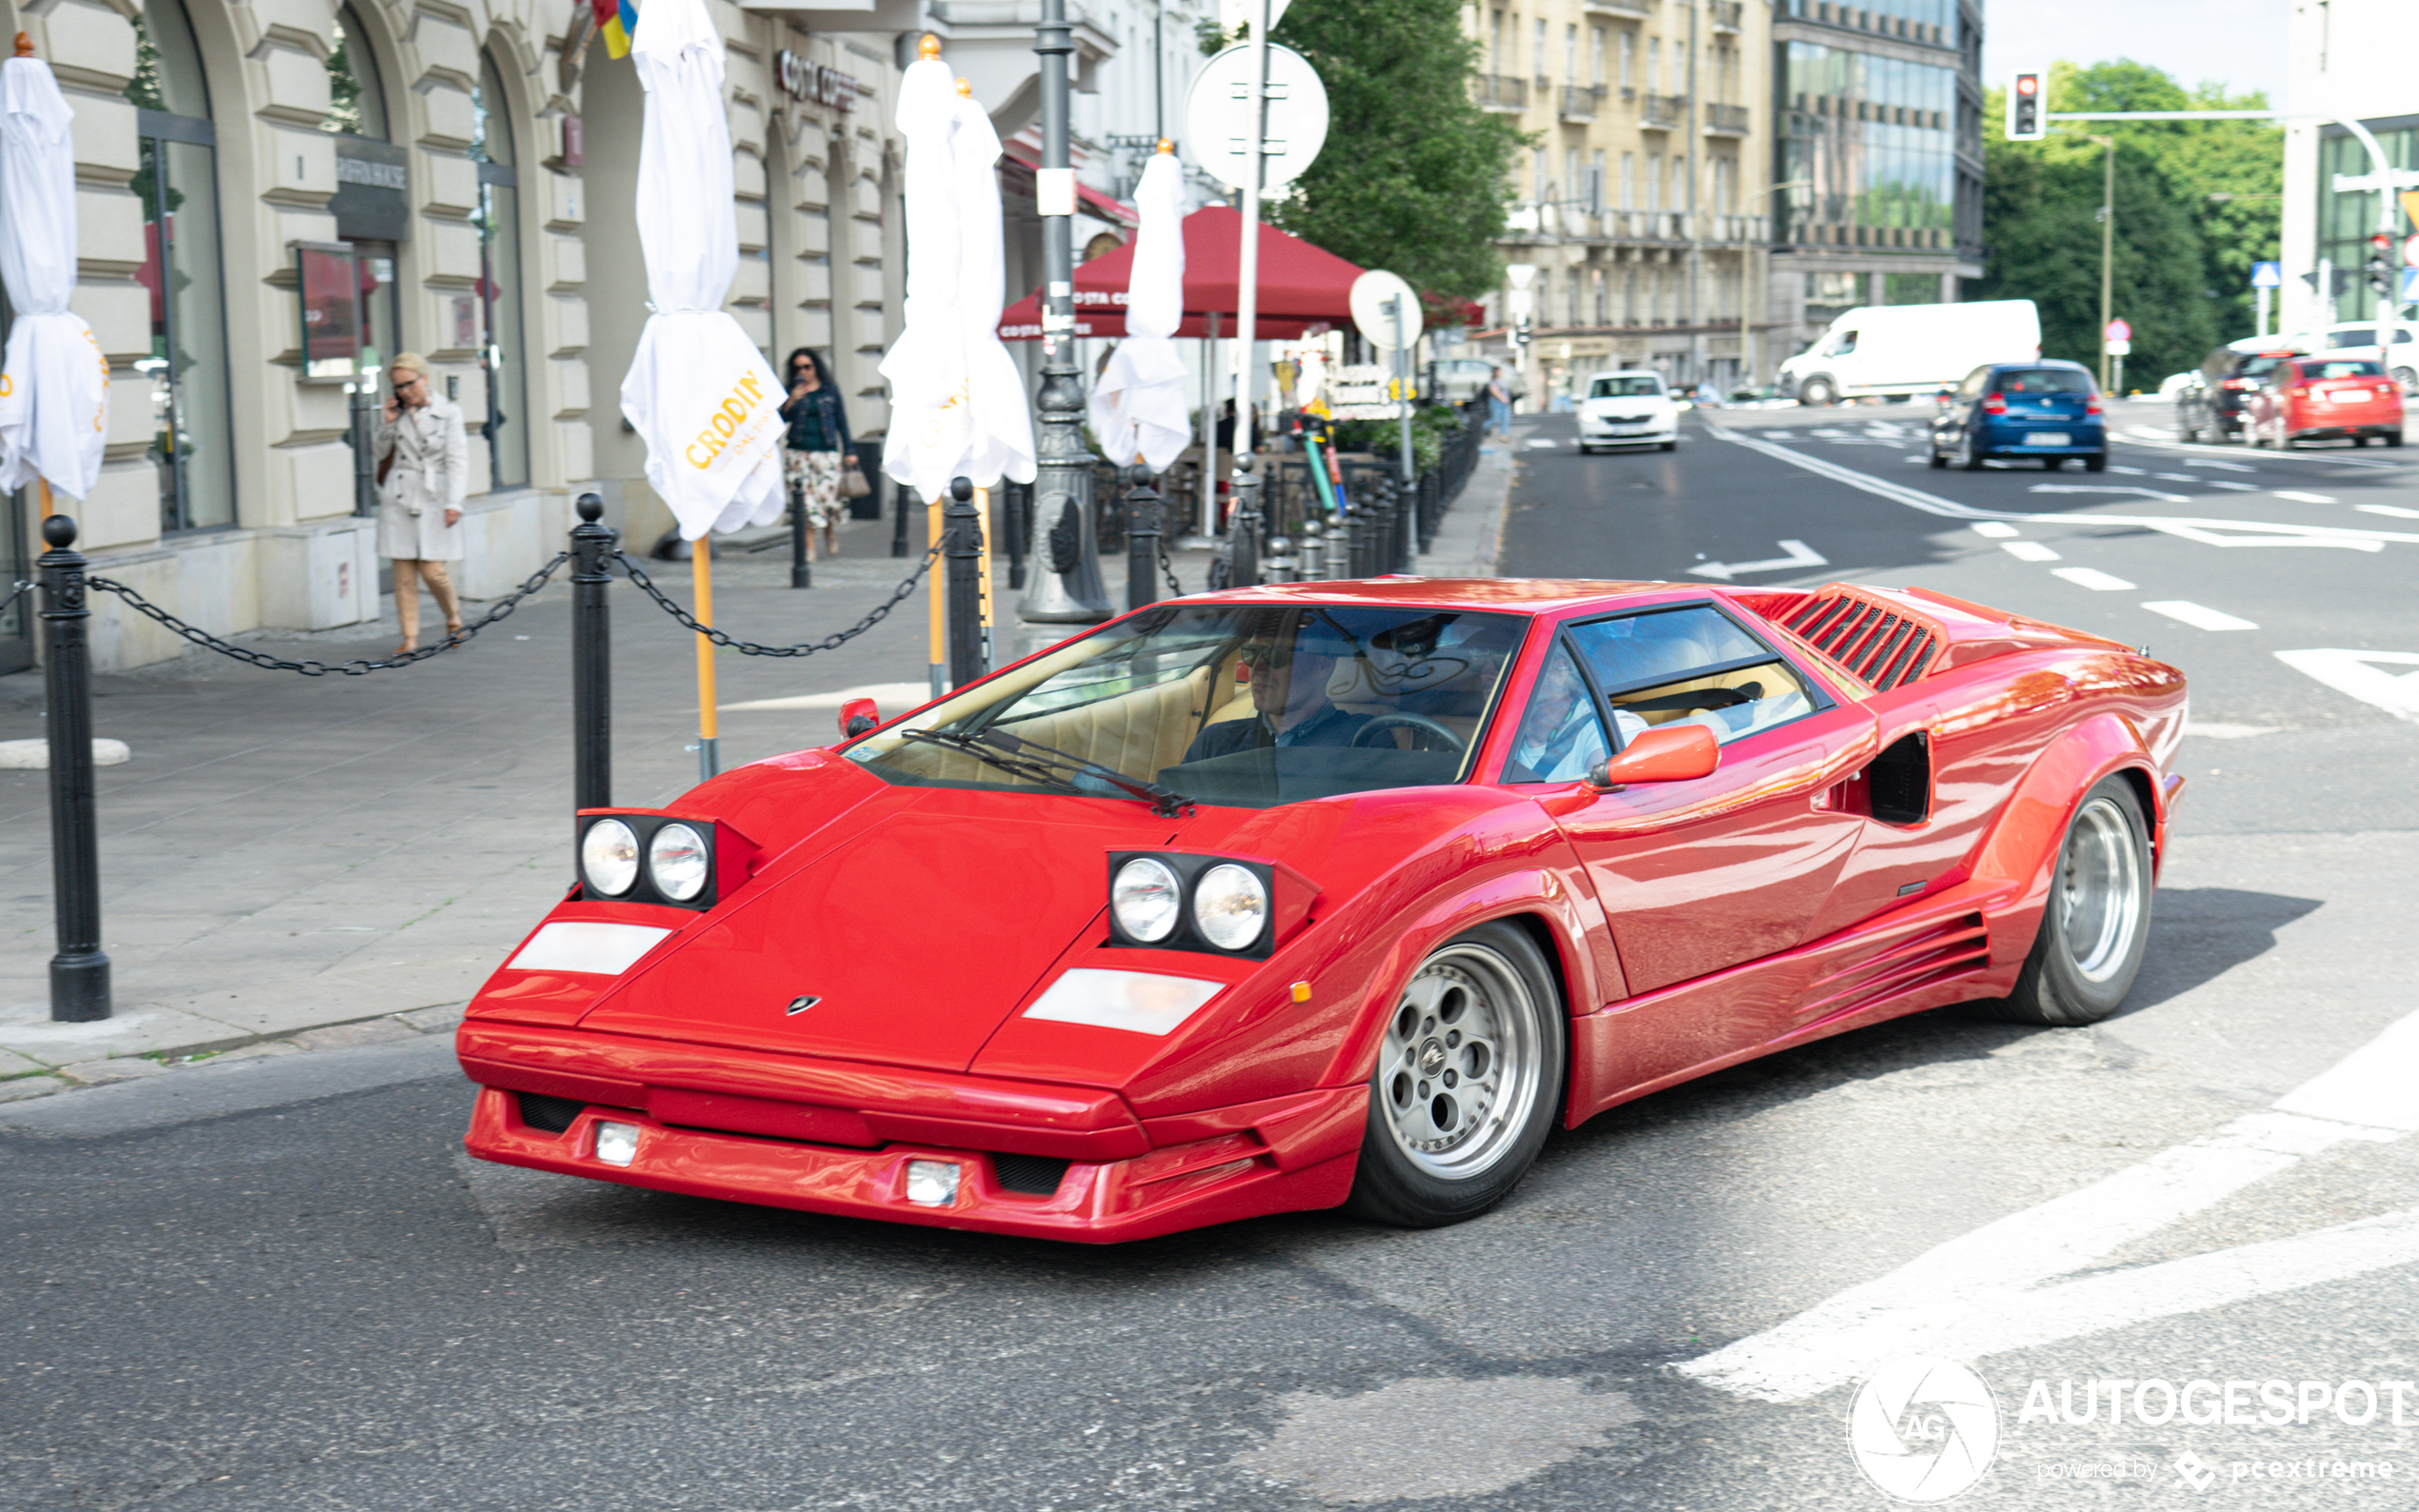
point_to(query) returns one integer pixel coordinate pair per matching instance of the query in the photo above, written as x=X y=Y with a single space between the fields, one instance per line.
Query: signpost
x=2117 y=341
x=2265 y=276
x=1388 y=314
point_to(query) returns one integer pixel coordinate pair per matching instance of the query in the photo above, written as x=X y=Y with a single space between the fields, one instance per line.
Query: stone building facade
x=477 y=168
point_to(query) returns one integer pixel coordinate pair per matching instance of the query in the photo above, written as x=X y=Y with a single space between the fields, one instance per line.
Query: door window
x=1840 y=345
x=1690 y=665
x=1561 y=734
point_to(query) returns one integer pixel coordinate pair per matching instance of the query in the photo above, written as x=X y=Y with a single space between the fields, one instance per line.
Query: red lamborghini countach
x=1334 y=893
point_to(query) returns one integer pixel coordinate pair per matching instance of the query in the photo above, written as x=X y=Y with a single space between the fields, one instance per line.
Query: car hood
x=903 y=932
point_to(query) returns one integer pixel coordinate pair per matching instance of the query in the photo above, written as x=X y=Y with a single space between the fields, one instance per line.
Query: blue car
x=2043 y=408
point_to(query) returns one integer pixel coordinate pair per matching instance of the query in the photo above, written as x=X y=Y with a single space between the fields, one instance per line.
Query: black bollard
x=902 y=500
x=591 y=658
x=1143 y=525
x=1242 y=526
x=801 y=576
x=962 y=544
x=79 y=973
x=1016 y=511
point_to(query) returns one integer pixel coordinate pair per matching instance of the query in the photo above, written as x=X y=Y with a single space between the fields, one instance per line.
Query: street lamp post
x=1065 y=587
x=1747 y=264
x=2108 y=252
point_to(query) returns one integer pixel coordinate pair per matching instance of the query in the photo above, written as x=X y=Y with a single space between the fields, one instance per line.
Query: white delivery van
x=1910 y=349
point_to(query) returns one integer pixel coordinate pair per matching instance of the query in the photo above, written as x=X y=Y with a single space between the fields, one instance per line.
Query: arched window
x=372 y=208
x=193 y=445
x=506 y=355
x=357 y=98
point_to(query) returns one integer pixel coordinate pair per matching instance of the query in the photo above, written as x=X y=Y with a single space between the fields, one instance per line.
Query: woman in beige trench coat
x=424 y=462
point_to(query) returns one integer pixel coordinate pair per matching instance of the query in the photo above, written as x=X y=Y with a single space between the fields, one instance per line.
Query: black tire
x=2052 y=463
x=1818 y=392
x=2186 y=430
x=2097 y=462
x=1672 y=445
x=2089 y=949
x=2393 y=438
x=1972 y=461
x=1937 y=460
x=1495 y=979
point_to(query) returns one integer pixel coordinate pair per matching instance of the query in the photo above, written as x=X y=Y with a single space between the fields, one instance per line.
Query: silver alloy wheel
x=1460 y=1068
x=2099 y=890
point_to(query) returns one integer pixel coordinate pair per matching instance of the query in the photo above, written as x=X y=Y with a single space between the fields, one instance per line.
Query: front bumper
x=1604 y=433
x=834 y=1137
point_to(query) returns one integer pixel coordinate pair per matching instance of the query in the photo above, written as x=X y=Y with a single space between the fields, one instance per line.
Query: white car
x=1629 y=407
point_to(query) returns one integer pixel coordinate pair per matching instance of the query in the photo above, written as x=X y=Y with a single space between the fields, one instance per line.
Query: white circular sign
x=2118 y=330
x=1922 y=1429
x=1218 y=116
x=1373 y=293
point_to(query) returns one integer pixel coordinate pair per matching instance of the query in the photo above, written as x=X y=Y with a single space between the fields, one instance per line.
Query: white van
x=1910 y=349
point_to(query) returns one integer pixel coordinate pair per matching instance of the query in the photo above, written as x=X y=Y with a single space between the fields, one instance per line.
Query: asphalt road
x=279 y=1284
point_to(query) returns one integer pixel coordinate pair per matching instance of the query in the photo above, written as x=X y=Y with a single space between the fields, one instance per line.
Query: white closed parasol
x=698 y=392
x=55 y=387
x=957 y=406
x=1138 y=409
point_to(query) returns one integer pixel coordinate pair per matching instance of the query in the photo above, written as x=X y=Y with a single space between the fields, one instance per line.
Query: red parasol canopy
x=1301 y=286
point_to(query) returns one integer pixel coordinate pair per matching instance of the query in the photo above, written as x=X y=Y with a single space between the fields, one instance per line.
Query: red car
x=2324 y=398
x=1333 y=893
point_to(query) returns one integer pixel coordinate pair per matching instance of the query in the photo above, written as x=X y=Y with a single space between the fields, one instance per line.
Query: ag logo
x=1922 y=1429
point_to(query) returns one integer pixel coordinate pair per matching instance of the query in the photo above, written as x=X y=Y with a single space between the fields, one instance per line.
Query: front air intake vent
x=1880 y=645
x=1033 y=1175
x=551 y=1115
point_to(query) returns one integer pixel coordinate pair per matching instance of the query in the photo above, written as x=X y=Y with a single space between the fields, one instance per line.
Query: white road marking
x=2207 y=530
x=2388 y=509
x=2094 y=579
x=2177 y=477
x=1800 y=555
x=1539 y=442
x=2028 y=550
x=1917 y=461
x=2217 y=730
x=1995 y=530
x=2131 y=472
x=2200 y=616
x=2238 y=487
x=2362 y=674
x=2212 y=461
x=2116 y=487
x=1827 y=435
x=2299 y=497
x=1982 y=1293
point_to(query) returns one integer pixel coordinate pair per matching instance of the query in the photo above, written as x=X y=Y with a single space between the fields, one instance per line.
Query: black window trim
x=1818 y=695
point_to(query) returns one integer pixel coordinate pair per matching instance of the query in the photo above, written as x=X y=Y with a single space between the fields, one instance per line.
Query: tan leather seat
x=1136 y=733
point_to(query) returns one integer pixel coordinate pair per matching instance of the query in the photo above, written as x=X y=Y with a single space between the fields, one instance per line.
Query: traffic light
x=2023 y=108
x=1520 y=334
x=2380 y=266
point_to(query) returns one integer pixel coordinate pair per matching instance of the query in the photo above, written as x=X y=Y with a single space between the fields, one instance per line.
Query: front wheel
x=2186 y=430
x=1672 y=445
x=1470 y=1073
x=1938 y=460
x=2097 y=920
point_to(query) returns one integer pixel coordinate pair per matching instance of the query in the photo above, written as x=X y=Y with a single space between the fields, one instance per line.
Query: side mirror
x=1671 y=753
x=857 y=716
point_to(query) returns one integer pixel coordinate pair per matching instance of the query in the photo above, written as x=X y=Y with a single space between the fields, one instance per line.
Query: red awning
x=1101 y=204
x=1301 y=286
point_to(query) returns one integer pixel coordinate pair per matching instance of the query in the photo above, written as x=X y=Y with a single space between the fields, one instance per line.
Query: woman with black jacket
x=817 y=444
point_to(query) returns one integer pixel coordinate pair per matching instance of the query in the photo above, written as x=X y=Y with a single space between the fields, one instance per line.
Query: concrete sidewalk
x=292 y=864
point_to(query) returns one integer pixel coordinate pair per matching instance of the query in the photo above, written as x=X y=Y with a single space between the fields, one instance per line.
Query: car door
x=1699 y=876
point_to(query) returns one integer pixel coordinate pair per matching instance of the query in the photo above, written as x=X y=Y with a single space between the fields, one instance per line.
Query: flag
x=618 y=21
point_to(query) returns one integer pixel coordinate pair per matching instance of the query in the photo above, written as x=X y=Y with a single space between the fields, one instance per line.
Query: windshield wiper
x=1036 y=761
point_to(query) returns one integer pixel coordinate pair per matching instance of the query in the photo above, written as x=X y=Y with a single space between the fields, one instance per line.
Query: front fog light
x=617 y=1143
x=930 y=1183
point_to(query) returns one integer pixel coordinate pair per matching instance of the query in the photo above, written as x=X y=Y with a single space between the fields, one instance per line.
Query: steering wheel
x=1452 y=741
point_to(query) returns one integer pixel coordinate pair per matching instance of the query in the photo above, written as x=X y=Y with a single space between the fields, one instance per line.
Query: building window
x=1628 y=55
x=1629 y=181
x=356 y=98
x=192 y=435
x=504 y=355
x=1596 y=55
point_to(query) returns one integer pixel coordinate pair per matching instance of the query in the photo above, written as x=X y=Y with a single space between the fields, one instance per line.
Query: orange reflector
x=1301 y=992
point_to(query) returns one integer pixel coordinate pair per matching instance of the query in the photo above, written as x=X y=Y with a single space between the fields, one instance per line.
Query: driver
x=1289 y=704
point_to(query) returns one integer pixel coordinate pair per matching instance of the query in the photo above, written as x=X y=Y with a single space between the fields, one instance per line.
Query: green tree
x=2181 y=264
x=1413 y=174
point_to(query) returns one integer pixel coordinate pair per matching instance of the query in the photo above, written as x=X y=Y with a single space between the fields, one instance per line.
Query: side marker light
x=1301 y=992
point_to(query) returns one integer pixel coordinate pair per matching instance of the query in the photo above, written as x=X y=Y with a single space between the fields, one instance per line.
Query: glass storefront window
x=506 y=357
x=192 y=443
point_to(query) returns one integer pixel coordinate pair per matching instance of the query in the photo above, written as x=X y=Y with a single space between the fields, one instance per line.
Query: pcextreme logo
x=1922 y=1429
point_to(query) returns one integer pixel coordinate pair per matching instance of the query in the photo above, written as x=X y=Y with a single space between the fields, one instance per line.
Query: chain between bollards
x=79 y=973
x=591 y=657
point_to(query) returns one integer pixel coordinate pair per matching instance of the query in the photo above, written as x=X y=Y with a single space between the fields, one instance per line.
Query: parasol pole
x=937 y=606
x=1243 y=544
x=701 y=577
x=983 y=526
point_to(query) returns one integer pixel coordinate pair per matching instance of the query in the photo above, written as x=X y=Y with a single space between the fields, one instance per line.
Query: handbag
x=853 y=484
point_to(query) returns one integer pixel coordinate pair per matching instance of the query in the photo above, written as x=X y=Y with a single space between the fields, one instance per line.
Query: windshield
x=2341 y=368
x=1242 y=705
x=1627 y=386
x=2044 y=381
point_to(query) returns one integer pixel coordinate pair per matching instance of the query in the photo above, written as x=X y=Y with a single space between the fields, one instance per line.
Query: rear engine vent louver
x=1879 y=645
x=1034 y=1175
x=549 y=1114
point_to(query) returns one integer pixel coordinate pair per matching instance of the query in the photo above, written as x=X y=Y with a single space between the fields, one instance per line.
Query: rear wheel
x=2187 y=429
x=2097 y=920
x=2052 y=463
x=2097 y=462
x=1470 y=1073
x=2393 y=438
x=1973 y=460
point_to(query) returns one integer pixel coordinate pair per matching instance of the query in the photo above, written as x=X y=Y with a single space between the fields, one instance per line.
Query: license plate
x=2048 y=438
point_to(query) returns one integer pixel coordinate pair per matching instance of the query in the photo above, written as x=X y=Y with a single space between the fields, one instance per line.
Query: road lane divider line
x=1982 y=1293
x=2205 y=529
x=2299 y=497
x=2028 y=550
x=2200 y=616
x=1995 y=530
x=2092 y=578
x=2117 y=488
x=2212 y=461
x=2391 y=511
